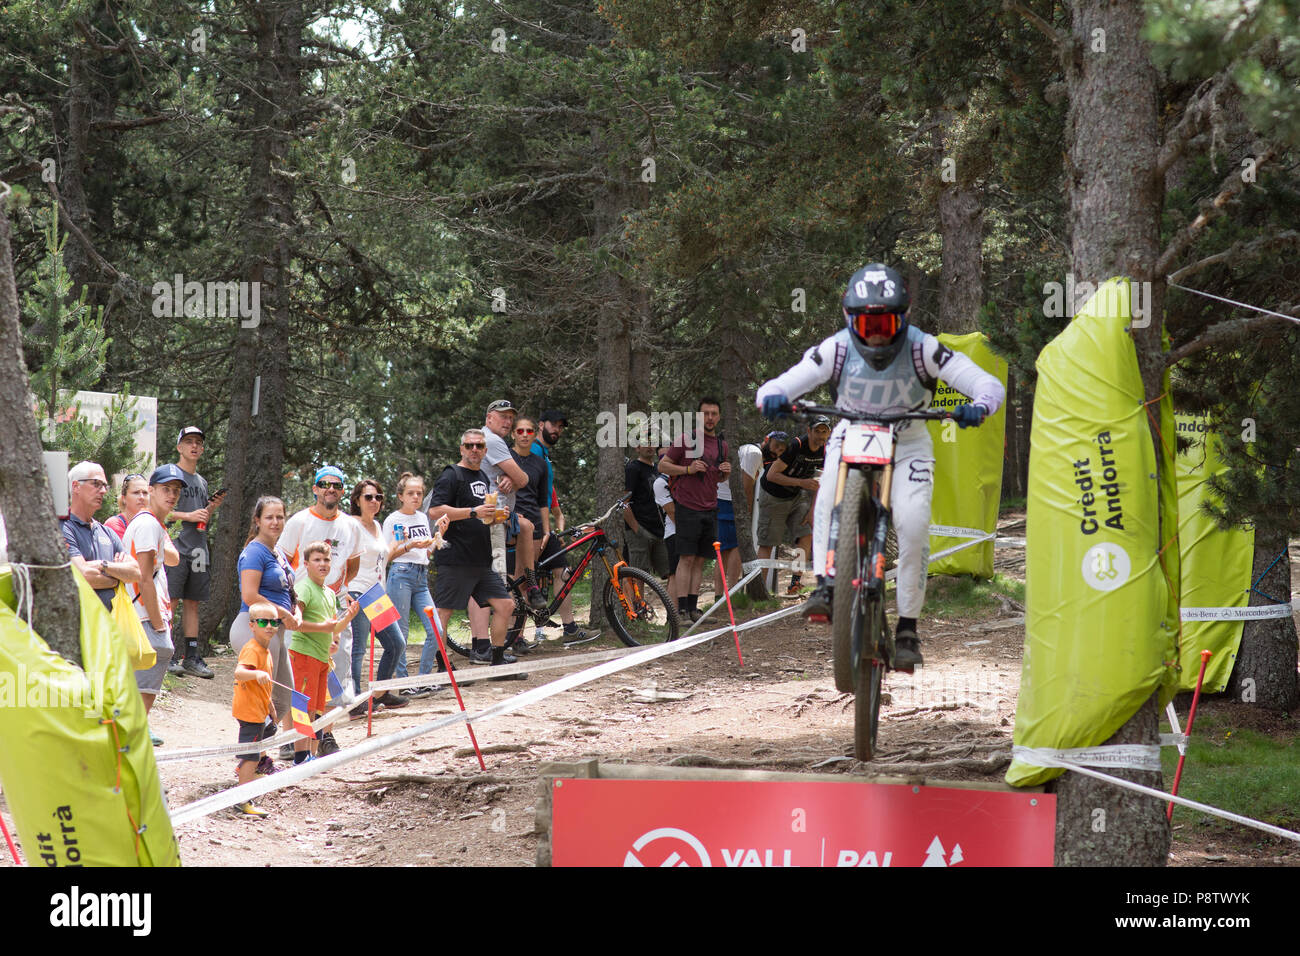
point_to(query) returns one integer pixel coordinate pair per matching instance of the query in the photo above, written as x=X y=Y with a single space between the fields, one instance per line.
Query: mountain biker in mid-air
x=879 y=363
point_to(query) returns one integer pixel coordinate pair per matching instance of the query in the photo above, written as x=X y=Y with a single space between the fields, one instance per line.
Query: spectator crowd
x=302 y=578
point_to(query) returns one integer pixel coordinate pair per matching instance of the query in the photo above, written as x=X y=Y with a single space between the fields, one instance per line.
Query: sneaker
x=483 y=656
x=195 y=667
x=389 y=699
x=499 y=659
x=360 y=711
x=536 y=599
x=416 y=693
x=578 y=636
x=286 y=752
x=154 y=738
x=907 y=651
x=794 y=590
x=328 y=745
x=248 y=810
x=175 y=668
x=266 y=766
x=818 y=606
x=694 y=614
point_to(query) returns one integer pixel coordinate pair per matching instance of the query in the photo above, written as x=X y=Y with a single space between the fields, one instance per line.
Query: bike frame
x=597 y=543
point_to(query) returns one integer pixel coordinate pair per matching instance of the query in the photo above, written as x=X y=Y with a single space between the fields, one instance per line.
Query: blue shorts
x=727 y=525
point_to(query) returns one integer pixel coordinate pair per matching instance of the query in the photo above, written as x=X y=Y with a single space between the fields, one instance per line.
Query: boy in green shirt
x=312 y=645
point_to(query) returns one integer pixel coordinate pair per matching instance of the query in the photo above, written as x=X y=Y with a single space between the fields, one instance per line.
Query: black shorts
x=457 y=583
x=696 y=531
x=250 y=732
x=670 y=543
x=554 y=545
x=184 y=582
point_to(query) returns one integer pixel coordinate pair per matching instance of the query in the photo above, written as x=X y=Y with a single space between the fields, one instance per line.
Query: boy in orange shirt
x=252 y=705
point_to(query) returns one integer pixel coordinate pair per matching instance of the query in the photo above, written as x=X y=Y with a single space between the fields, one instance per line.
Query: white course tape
x=1173 y=722
x=257 y=746
x=1128 y=756
x=721 y=601
x=949 y=531
x=292 y=775
x=1044 y=760
x=892 y=573
x=1260 y=612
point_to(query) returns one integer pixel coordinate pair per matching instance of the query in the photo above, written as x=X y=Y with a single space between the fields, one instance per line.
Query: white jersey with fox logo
x=907 y=383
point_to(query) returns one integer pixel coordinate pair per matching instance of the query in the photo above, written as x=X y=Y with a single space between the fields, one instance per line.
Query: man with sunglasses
x=324 y=521
x=96 y=551
x=465 y=565
x=877 y=363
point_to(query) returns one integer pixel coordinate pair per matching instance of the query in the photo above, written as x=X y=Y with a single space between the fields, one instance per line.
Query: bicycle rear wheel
x=459 y=639
x=652 y=618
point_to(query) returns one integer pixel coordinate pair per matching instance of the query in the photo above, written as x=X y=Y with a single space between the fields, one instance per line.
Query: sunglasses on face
x=525 y=431
x=264 y=622
x=378 y=497
x=474 y=444
x=330 y=485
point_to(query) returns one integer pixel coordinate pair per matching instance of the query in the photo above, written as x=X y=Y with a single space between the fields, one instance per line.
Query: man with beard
x=552 y=425
x=696 y=493
x=323 y=521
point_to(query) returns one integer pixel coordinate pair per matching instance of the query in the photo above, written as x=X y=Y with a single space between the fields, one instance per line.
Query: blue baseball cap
x=165 y=473
x=329 y=471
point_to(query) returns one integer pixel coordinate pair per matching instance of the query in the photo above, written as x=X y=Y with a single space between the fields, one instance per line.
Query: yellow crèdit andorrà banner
x=967 y=469
x=76 y=764
x=1216 y=565
x=1100 y=611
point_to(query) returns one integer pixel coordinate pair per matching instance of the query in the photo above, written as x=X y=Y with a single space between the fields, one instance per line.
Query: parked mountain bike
x=635 y=603
x=862 y=644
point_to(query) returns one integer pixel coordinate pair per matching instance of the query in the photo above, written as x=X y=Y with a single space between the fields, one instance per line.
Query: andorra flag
x=298 y=708
x=378 y=607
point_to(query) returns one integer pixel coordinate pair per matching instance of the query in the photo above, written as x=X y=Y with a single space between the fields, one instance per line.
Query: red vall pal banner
x=776 y=823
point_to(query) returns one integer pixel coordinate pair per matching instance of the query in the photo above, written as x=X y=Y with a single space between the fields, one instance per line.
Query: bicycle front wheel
x=870 y=675
x=647 y=617
x=850 y=546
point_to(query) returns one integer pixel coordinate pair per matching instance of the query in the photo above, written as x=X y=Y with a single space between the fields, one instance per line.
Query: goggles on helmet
x=866 y=324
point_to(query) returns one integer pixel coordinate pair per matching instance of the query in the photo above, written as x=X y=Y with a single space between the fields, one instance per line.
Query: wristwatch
x=103 y=567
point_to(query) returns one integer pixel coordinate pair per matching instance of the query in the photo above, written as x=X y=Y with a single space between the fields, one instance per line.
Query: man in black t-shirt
x=645 y=523
x=787 y=491
x=465 y=565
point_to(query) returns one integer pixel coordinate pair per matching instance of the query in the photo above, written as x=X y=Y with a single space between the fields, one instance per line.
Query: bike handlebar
x=618 y=505
x=805 y=410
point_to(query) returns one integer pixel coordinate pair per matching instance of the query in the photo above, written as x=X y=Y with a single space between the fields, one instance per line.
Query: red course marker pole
x=13 y=850
x=370 y=701
x=726 y=590
x=1191 y=719
x=437 y=632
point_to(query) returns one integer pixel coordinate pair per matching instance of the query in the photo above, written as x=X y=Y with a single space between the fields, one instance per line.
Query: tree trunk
x=734 y=372
x=1265 y=670
x=961 y=228
x=1115 y=203
x=25 y=500
x=259 y=375
x=1015 y=469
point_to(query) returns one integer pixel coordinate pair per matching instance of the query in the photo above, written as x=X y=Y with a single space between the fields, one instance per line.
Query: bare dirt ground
x=425 y=802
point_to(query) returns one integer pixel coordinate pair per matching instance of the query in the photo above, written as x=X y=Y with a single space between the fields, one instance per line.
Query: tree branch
x=1195 y=116
x=1232 y=185
x=66 y=220
x=1238 y=252
x=1060 y=42
x=132 y=123
x=1230 y=331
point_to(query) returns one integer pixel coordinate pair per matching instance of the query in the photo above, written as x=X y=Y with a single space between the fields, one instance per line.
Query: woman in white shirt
x=409 y=538
x=367 y=499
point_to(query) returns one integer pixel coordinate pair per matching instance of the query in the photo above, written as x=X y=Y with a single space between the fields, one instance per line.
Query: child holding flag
x=252 y=703
x=315 y=641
